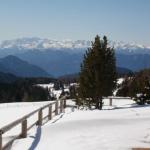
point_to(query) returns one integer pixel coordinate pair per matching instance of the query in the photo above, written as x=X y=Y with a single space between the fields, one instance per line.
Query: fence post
x=64 y=103
x=1 y=145
x=110 y=102
x=61 y=106
x=56 y=107
x=40 y=116
x=24 y=129
x=50 y=112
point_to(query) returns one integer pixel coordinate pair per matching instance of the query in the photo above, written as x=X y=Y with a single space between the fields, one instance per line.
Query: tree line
x=137 y=87
x=25 y=90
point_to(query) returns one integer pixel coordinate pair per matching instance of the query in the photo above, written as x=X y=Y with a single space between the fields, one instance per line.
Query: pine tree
x=98 y=73
x=140 y=87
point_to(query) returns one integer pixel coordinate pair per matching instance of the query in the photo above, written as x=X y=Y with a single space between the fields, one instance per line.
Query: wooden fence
x=59 y=108
x=113 y=97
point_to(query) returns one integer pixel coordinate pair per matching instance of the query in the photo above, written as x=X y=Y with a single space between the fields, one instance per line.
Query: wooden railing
x=59 y=108
x=113 y=97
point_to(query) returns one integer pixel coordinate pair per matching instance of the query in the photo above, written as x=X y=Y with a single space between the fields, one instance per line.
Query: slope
x=7 y=77
x=14 y=65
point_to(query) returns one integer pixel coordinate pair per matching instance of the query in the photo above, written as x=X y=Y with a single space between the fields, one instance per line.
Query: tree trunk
x=100 y=102
x=97 y=103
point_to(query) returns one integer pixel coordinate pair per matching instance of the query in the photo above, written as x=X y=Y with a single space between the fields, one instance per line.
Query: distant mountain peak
x=35 y=43
x=38 y=43
x=11 y=57
x=14 y=65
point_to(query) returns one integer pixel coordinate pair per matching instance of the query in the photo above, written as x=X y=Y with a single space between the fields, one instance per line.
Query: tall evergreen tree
x=98 y=73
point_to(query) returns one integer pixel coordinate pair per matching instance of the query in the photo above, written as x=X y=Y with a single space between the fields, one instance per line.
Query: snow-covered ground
x=119 y=82
x=52 y=91
x=12 y=111
x=123 y=126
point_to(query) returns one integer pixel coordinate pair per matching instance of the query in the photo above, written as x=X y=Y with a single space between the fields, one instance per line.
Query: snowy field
x=119 y=127
x=13 y=111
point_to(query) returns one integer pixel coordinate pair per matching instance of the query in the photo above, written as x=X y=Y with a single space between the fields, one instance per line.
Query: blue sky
x=120 y=20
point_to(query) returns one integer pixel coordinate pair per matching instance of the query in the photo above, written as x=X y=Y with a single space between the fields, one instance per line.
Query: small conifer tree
x=98 y=73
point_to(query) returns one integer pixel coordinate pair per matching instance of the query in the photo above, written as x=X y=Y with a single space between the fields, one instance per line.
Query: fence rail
x=111 y=98
x=59 y=108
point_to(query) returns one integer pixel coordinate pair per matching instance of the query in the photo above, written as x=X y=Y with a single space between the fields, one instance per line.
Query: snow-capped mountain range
x=42 y=44
x=64 y=57
x=38 y=43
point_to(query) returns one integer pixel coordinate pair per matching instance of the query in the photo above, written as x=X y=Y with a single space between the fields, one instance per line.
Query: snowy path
x=117 y=129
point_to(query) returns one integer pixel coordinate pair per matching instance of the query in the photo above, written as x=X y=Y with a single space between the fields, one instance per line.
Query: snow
x=44 y=44
x=57 y=93
x=17 y=110
x=50 y=85
x=13 y=111
x=119 y=82
x=38 y=43
x=124 y=126
x=53 y=92
x=66 y=90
